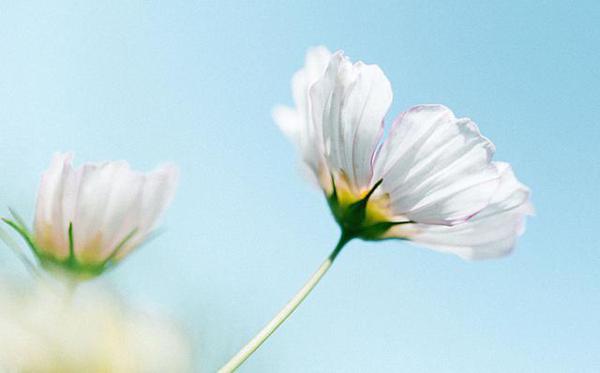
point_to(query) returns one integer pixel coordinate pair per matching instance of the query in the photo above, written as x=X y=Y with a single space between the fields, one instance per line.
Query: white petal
x=491 y=233
x=106 y=193
x=290 y=122
x=53 y=210
x=315 y=63
x=122 y=215
x=159 y=190
x=296 y=123
x=156 y=194
x=349 y=103
x=436 y=168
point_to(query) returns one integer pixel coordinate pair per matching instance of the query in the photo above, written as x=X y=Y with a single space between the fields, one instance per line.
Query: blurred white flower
x=431 y=180
x=89 y=218
x=45 y=331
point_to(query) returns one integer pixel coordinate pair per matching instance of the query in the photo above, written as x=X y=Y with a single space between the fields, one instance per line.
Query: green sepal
x=22 y=230
x=70 y=265
x=352 y=218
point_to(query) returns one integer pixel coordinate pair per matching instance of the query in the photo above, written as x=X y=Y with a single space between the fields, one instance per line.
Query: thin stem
x=285 y=312
x=71 y=285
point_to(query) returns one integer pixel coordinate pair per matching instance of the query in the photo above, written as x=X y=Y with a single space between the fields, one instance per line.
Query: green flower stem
x=285 y=312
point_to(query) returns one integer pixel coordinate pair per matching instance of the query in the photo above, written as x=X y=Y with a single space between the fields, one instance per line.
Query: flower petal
x=491 y=233
x=106 y=194
x=156 y=194
x=349 y=103
x=436 y=168
x=53 y=208
x=296 y=123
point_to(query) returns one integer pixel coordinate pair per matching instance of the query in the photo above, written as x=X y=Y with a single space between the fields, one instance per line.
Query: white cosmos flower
x=89 y=218
x=44 y=330
x=431 y=180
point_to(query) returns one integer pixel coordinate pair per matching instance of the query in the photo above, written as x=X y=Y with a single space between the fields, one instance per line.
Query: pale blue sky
x=194 y=83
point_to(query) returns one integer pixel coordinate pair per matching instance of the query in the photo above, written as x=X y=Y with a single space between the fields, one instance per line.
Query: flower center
x=365 y=214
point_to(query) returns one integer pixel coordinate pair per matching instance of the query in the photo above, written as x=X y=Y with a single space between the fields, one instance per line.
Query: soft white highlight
x=45 y=330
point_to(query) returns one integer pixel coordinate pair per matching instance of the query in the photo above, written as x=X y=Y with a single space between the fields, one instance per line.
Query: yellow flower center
x=364 y=214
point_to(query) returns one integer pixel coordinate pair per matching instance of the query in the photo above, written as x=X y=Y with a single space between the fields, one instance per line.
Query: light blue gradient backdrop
x=194 y=83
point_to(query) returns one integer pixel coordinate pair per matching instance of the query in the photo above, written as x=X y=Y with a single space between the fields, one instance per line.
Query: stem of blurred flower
x=71 y=285
x=286 y=311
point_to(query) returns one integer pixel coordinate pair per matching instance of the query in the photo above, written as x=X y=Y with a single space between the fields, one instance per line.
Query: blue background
x=195 y=83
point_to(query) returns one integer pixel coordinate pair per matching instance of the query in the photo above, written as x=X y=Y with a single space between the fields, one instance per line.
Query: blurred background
x=195 y=82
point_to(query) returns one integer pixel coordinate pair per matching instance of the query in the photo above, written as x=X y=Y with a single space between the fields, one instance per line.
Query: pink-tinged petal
x=349 y=103
x=53 y=207
x=103 y=188
x=106 y=203
x=122 y=204
x=296 y=123
x=436 y=168
x=159 y=190
x=491 y=233
x=156 y=194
